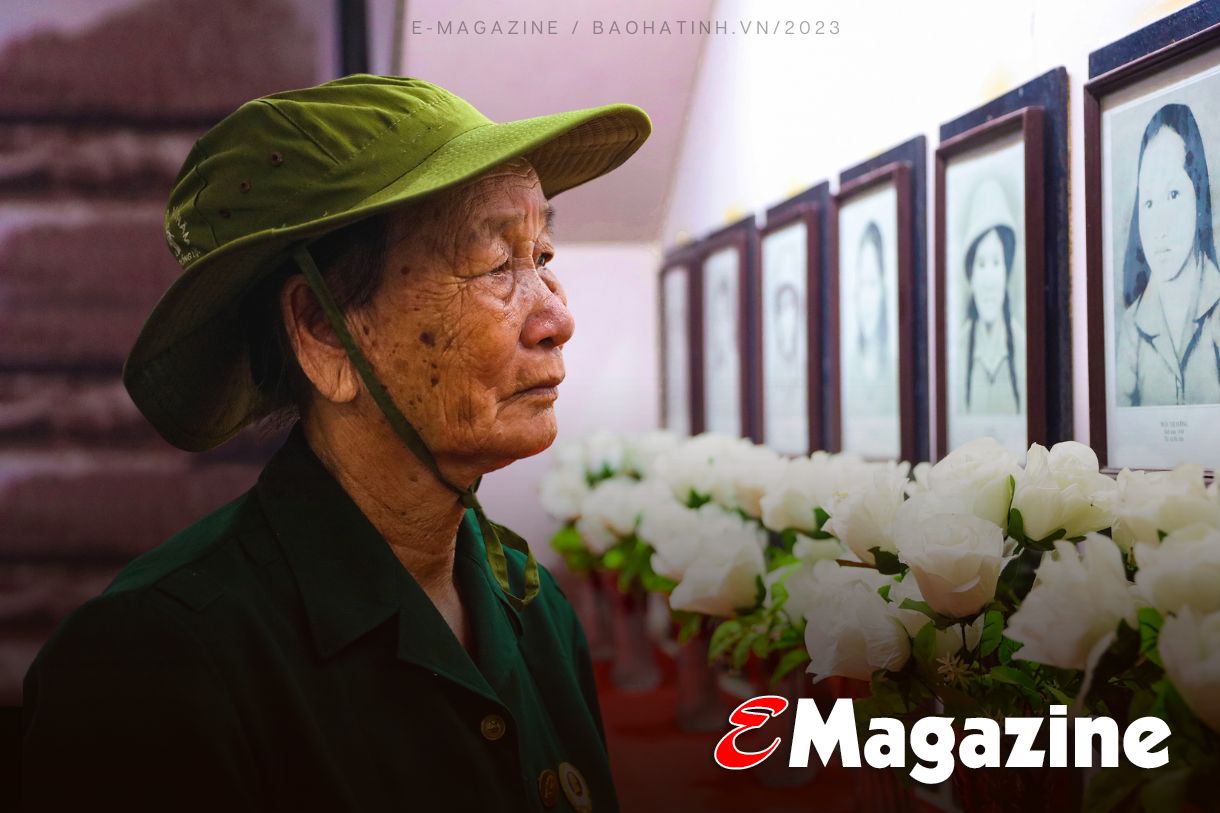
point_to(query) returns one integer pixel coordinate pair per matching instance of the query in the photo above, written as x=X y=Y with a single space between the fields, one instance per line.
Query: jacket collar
x=350 y=581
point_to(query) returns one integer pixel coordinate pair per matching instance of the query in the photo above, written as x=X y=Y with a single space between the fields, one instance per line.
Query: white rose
x=672 y=530
x=1190 y=649
x=1151 y=501
x=1182 y=571
x=977 y=472
x=562 y=491
x=809 y=581
x=850 y=630
x=862 y=516
x=919 y=478
x=641 y=450
x=753 y=473
x=1071 y=615
x=1063 y=489
x=955 y=557
x=610 y=511
x=811 y=550
x=603 y=452
x=949 y=641
x=700 y=465
x=804 y=484
x=721 y=576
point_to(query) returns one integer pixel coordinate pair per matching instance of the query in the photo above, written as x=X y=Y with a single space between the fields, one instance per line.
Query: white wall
x=773 y=115
x=611 y=371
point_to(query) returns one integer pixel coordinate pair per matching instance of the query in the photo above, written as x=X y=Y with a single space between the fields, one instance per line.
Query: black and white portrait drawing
x=868 y=323
x=1161 y=277
x=674 y=292
x=722 y=343
x=985 y=295
x=785 y=340
x=1168 y=340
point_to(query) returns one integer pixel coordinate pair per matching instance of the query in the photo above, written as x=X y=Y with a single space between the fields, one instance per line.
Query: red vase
x=599 y=610
x=635 y=666
x=700 y=705
x=1019 y=790
x=775 y=772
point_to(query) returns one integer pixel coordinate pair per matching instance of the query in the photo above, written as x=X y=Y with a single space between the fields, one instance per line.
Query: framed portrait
x=724 y=316
x=994 y=308
x=1152 y=146
x=676 y=304
x=788 y=346
x=876 y=292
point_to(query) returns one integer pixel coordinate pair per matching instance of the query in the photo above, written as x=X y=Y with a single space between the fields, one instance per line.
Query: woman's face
x=989 y=277
x=1166 y=201
x=468 y=327
x=869 y=289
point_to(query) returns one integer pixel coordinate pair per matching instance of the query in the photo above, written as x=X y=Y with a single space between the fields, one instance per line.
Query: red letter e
x=746 y=717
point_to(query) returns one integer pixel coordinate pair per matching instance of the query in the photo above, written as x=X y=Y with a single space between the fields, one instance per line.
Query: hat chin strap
x=494 y=536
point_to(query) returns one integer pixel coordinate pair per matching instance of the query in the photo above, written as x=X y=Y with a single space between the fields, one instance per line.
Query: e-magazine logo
x=1032 y=742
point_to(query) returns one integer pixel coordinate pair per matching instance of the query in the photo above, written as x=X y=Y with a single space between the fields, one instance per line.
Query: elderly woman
x=372 y=256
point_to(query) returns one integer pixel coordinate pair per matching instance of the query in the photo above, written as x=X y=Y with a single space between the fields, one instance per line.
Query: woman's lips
x=543 y=389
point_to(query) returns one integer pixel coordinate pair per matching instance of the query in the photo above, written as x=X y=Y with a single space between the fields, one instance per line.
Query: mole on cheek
x=427 y=338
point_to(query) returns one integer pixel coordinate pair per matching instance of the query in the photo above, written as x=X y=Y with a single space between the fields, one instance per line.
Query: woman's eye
x=1148 y=203
x=1173 y=194
x=501 y=268
x=544 y=258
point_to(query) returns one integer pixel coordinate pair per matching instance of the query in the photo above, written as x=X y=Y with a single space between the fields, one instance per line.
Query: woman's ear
x=319 y=352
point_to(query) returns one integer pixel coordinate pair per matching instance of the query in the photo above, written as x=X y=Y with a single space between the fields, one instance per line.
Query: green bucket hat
x=286 y=169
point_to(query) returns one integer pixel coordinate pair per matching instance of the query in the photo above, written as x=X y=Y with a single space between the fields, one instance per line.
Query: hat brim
x=189 y=372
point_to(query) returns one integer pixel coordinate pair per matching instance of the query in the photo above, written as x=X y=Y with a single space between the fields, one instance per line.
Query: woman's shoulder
x=152 y=599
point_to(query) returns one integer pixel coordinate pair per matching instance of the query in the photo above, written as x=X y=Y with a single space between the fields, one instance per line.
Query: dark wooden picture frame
x=779 y=217
x=1029 y=123
x=742 y=236
x=1050 y=92
x=1189 y=33
x=905 y=167
x=687 y=258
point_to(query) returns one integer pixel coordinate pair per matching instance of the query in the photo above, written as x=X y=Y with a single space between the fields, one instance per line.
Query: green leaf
x=568 y=540
x=1150 y=622
x=1046 y=543
x=887 y=562
x=723 y=637
x=993 y=632
x=689 y=626
x=791 y=660
x=926 y=609
x=820 y=516
x=1012 y=676
x=615 y=558
x=923 y=648
x=1166 y=792
x=884 y=591
x=1008 y=647
x=741 y=652
x=1112 y=789
x=1016 y=525
x=779 y=594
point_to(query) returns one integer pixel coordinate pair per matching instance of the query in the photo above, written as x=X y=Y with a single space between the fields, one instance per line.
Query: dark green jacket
x=277 y=656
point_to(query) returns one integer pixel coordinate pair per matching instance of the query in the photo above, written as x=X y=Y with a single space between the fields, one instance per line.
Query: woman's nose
x=550 y=323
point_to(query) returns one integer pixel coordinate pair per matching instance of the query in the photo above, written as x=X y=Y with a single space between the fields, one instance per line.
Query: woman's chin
x=526 y=437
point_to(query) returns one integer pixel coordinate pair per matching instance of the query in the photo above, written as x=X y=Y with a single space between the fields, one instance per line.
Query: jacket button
x=548 y=787
x=493 y=727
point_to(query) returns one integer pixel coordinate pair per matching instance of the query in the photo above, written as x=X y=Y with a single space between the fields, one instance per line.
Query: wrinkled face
x=1166 y=202
x=467 y=328
x=988 y=277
